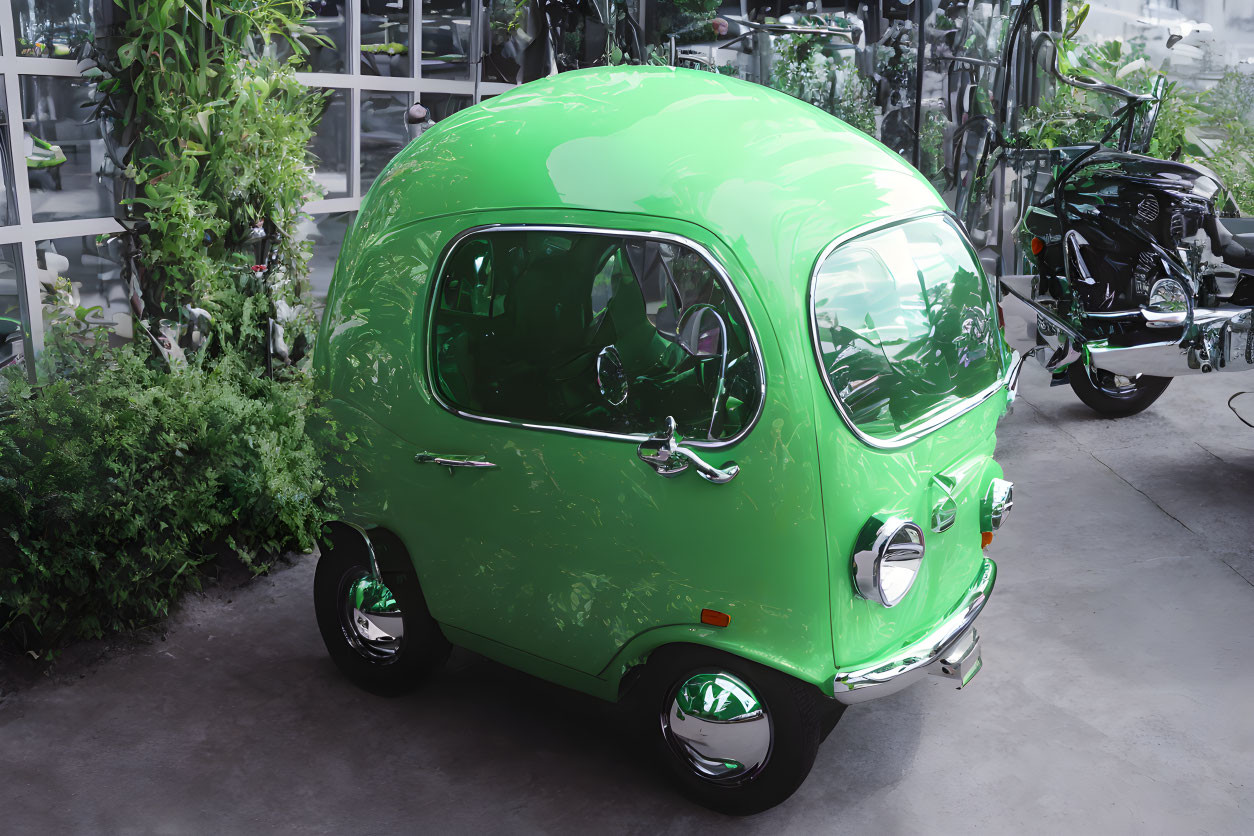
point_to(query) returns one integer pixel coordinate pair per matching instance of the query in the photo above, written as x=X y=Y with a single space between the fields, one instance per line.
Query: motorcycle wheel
x=1115 y=396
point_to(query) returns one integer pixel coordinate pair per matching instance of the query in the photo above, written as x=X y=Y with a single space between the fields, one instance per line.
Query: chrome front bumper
x=952 y=650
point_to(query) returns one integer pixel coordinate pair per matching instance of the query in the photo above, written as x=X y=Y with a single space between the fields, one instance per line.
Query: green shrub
x=119 y=481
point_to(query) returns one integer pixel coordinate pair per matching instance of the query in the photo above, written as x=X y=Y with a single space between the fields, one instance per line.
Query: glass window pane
x=8 y=209
x=384 y=131
x=446 y=39
x=52 y=29
x=12 y=316
x=330 y=146
x=906 y=325
x=325 y=233
x=592 y=331
x=328 y=19
x=385 y=38
x=94 y=273
x=511 y=37
x=63 y=154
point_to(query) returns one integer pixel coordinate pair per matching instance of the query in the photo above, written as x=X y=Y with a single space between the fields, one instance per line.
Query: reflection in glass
x=446 y=50
x=384 y=131
x=8 y=211
x=906 y=326
x=385 y=38
x=11 y=316
x=326 y=234
x=94 y=272
x=52 y=29
x=567 y=329
x=63 y=155
x=330 y=146
x=327 y=19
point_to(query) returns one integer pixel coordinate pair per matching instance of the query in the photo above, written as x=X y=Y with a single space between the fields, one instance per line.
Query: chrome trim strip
x=592 y=230
x=941 y=418
x=887 y=676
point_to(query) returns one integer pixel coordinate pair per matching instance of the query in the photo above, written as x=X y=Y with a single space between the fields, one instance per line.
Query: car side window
x=906 y=326
x=592 y=331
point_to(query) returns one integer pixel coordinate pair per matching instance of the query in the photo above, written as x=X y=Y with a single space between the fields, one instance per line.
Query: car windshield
x=905 y=326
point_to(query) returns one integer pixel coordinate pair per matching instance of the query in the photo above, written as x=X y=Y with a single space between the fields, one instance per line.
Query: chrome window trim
x=941 y=418
x=635 y=438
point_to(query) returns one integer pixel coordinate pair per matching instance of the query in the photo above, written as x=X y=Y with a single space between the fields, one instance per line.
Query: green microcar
x=673 y=390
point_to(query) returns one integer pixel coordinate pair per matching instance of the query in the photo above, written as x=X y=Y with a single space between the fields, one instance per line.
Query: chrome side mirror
x=418 y=119
x=702 y=331
x=662 y=452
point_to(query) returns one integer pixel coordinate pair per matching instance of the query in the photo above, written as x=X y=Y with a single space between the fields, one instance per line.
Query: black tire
x=1104 y=397
x=397 y=669
x=792 y=709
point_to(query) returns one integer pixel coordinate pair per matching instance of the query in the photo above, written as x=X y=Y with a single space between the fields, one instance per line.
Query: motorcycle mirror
x=1242 y=406
x=417 y=115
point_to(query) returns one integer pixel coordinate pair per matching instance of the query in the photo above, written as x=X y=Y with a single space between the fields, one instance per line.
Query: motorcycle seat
x=1237 y=250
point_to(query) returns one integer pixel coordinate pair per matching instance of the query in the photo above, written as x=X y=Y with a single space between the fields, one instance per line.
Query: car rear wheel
x=1112 y=395
x=381 y=636
x=733 y=735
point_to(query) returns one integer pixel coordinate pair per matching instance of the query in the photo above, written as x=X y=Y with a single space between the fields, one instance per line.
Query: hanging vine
x=210 y=128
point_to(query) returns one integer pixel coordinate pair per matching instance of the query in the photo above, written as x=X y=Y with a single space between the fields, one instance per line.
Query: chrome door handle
x=664 y=454
x=451 y=461
x=708 y=472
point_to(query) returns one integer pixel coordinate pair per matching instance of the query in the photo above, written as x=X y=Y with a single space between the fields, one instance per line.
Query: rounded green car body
x=552 y=302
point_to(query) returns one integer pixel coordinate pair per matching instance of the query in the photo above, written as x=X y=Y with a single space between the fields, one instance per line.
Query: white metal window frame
x=354 y=83
x=25 y=232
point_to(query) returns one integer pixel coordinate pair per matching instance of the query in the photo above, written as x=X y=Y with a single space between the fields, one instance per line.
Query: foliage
x=1222 y=119
x=688 y=21
x=126 y=469
x=219 y=156
x=119 y=481
x=1213 y=127
x=804 y=67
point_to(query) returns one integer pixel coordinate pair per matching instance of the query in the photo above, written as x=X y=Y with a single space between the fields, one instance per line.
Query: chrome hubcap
x=1115 y=385
x=718 y=726
x=369 y=616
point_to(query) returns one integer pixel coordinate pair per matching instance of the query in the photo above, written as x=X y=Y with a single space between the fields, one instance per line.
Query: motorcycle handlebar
x=1085 y=83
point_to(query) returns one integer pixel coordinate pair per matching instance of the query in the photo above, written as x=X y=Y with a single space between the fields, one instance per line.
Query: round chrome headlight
x=997 y=504
x=1168 y=296
x=886 y=559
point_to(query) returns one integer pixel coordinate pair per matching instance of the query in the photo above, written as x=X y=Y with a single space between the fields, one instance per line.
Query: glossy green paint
x=716 y=696
x=371 y=595
x=572 y=559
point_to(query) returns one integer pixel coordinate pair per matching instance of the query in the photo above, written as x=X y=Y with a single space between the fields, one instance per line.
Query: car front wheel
x=733 y=735
x=1112 y=395
x=379 y=635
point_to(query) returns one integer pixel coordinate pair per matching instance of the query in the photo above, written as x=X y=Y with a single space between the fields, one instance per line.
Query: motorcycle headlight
x=1168 y=296
x=886 y=559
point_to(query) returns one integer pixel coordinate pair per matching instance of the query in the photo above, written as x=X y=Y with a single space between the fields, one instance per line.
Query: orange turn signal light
x=986 y=538
x=1038 y=246
x=715 y=618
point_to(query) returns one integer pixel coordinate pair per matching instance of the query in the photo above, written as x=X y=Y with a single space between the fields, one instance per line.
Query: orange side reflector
x=715 y=618
x=986 y=538
x=1037 y=246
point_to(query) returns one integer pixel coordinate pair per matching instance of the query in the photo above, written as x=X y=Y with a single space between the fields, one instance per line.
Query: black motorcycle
x=1137 y=268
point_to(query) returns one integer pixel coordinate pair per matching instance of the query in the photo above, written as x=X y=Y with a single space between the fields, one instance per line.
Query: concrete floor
x=1116 y=697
